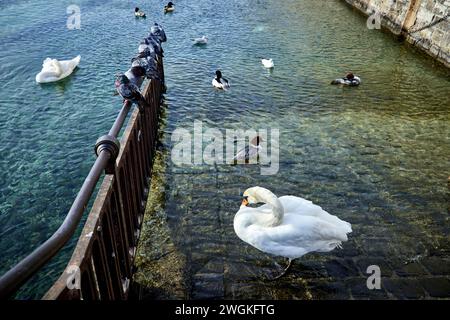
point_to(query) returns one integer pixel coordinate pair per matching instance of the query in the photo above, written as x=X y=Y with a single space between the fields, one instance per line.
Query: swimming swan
x=219 y=82
x=54 y=70
x=267 y=63
x=201 y=41
x=287 y=226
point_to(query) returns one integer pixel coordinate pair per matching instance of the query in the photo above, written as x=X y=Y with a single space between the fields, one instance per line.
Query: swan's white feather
x=305 y=227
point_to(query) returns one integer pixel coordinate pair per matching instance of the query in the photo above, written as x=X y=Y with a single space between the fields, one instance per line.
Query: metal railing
x=103 y=258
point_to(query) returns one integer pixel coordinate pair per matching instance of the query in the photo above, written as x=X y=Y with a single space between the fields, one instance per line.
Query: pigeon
x=201 y=41
x=158 y=31
x=128 y=90
x=151 y=43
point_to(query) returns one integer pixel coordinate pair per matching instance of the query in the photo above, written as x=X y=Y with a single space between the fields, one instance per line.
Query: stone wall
x=407 y=17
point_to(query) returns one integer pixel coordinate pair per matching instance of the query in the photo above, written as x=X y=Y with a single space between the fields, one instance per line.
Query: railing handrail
x=107 y=150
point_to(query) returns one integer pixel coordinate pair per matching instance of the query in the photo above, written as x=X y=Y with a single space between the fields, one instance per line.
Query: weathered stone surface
x=409 y=18
x=359 y=290
x=341 y=268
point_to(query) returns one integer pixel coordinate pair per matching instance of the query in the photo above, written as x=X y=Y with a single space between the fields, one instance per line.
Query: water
x=376 y=155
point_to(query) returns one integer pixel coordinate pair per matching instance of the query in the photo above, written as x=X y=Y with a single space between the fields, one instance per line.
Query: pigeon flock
x=143 y=65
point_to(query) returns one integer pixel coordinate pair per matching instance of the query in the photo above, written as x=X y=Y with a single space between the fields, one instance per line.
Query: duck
x=201 y=41
x=287 y=226
x=128 y=89
x=139 y=13
x=169 y=7
x=219 y=82
x=250 y=152
x=55 y=70
x=267 y=63
x=349 y=80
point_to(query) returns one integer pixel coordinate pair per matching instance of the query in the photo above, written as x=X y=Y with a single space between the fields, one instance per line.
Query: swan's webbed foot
x=282 y=273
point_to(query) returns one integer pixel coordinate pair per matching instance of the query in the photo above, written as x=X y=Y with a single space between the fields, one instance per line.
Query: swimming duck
x=169 y=8
x=219 y=82
x=201 y=41
x=158 y=31
x=127 y=89
x=139 y=13
x=349 y=80
x=287 y=226
x=54 y=70
x=250 y=152
x=267 y=63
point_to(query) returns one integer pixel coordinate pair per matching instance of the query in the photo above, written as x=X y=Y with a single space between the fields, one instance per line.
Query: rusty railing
x=101 y=264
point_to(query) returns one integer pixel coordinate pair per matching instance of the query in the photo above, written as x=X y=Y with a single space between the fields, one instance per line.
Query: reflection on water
x=376 y=155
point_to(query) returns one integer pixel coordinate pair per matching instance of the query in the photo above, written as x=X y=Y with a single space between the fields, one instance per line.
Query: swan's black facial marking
x=245 y=201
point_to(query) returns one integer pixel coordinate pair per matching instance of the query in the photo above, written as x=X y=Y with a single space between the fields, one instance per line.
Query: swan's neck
x=277 y=208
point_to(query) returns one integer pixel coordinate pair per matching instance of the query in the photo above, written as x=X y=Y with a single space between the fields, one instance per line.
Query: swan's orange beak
x=244 y=202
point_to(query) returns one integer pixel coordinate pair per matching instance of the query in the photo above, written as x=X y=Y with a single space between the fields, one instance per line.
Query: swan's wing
x=299 y=206
x=296 y=236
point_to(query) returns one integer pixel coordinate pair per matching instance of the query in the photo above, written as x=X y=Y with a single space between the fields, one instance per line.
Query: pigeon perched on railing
x=159 y=32
x=151 y=43
x=146 y=53
x=128 y=90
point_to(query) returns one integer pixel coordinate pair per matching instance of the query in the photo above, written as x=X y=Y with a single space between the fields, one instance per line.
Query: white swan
x=54 y=70
x=219 y=82
x=287 y=226
x=267 y=63
x=201 y=41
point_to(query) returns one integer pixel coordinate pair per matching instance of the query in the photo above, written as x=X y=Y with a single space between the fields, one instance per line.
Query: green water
x=376 y=155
